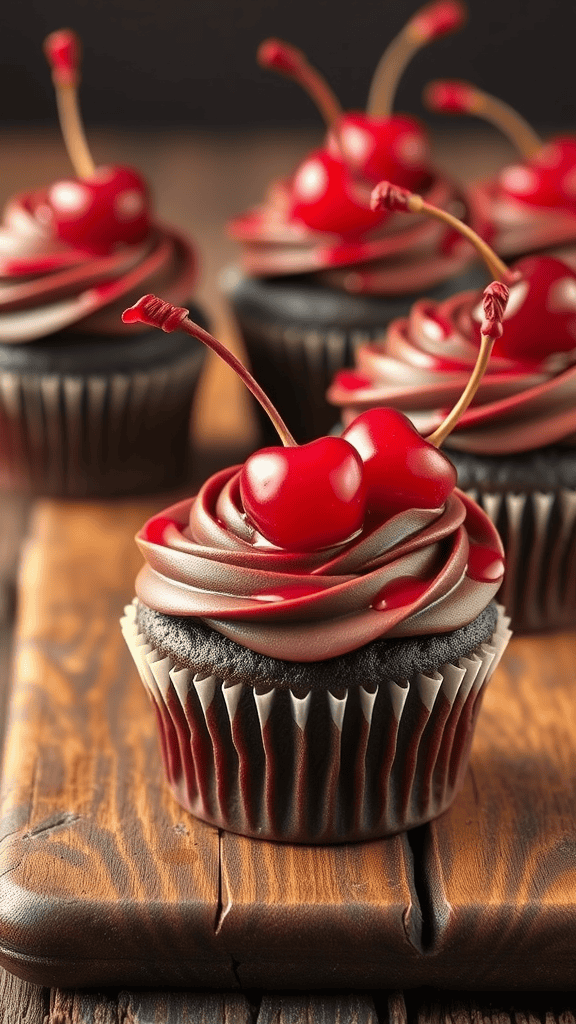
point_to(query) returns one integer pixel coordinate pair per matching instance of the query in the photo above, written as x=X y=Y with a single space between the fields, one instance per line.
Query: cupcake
x=89 y=406
x=315 y=629
x=515 y=447
x=530 y=206
x=321 y=272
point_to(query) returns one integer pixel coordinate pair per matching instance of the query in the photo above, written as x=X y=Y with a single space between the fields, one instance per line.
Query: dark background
x=191 y=62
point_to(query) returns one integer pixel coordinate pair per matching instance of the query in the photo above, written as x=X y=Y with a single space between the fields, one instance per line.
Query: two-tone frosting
x=422 y=571
x=380 y=254
x=47 y=285
x=423 y=363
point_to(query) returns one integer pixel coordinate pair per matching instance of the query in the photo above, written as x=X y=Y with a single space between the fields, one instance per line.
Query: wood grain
x=318 y=917
x=349 y=1008
x=500 y=866
x=21 y=1003
x=103 y=876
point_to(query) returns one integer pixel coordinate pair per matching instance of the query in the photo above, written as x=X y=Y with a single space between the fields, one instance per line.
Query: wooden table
x=437 y=915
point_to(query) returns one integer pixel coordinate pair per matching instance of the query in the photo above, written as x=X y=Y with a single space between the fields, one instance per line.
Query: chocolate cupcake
x=321 y=272
x=89 y=406
x=515 y=447
x=315 y=630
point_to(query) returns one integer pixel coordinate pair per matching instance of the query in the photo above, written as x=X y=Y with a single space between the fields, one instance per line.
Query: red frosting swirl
x=395 y=255
x=419 y=572
x=48 y=286
x=423 y=364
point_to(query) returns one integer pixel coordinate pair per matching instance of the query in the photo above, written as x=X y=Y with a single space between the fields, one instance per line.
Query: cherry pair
x=318 y=494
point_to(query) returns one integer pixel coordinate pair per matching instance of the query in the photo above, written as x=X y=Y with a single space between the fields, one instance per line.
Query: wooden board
x=104 y=880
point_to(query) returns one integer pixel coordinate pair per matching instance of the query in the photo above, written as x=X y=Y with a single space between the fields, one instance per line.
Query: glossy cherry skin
x=386 y=148
x=325 y=197
x=306 y=497
x=540 y=318
x=96 y=214
x=548 y=180
x=401 y=469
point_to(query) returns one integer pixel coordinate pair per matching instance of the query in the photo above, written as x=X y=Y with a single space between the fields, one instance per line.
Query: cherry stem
x=277 y=55
x=66 y=86
x=392 y=197
x=158 y=313
x=474 y=101
x=430 y=22
x=447 y=425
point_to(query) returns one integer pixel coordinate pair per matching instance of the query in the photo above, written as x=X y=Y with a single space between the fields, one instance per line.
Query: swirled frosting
x=48 y=286
x=514 y=227
x=422 y=571
x=423 y=364
x=400 y=255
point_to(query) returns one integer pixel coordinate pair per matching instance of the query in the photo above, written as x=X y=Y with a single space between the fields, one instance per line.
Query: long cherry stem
x=277 y=55
x=416 y=204
x=447 y=96
x=391 y=197
x=430 y=22
x=447 y=426
x=62 y=51
x=157 y=312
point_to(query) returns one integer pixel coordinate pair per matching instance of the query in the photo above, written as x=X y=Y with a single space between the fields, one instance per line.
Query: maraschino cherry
x=329 y=189
x=303 y=498
x=547 y=175
x=104 y=206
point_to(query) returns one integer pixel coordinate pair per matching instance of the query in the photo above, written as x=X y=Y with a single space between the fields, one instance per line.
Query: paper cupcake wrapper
x=319 y=767
x=538 y=531
x=76 y=436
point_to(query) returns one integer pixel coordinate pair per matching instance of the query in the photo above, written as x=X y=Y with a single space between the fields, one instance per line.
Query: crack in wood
x=425 y=920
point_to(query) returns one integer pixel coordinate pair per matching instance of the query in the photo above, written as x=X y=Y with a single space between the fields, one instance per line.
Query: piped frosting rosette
x=394 y=256
x=47 y=286
x=423 y=363
x=423 y=571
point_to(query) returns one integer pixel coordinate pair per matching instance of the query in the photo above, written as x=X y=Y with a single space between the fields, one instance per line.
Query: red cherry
x=401 y=469
x=306 y=497
x=395 y=148
x=96 y=214
x=540 y=318
x=548 y=179
x=324 y=196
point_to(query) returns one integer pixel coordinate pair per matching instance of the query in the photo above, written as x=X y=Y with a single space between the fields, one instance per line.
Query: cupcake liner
x=315 y=767
x=538 y=531
x=113 y=434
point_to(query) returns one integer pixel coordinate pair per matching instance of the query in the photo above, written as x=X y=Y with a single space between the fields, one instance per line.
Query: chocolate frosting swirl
x=423 y=365
x=401 y=255
x=48 y=286
x=422 y=571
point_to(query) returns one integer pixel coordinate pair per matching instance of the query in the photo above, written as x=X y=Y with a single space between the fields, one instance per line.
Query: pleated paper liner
x=79 y=436
x=538 y=531
x=316 y=767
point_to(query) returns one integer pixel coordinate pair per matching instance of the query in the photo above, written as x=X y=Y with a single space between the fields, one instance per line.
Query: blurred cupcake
x=529 y=206
x=515 y=447
x=315 y=630
x=321 y=272
x=87 y=405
